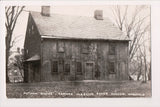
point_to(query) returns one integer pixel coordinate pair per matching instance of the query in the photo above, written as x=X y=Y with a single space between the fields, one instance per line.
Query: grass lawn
x=87 y=89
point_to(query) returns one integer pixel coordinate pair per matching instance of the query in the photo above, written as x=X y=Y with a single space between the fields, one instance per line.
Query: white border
x=67 y=102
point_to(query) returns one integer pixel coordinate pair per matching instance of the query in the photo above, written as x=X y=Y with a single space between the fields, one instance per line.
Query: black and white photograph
x=84 y=51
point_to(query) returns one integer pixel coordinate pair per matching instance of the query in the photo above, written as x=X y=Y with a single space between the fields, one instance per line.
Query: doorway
x=34 y=73
x=89 y=71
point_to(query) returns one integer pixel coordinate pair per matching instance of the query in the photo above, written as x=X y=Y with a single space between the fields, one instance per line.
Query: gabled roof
x=76 y=27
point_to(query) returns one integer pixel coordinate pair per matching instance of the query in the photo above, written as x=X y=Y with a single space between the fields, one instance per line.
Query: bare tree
x=143 y=59
x=12 y=13
x=135 y=27
x=149 y=74
x=119 y=16
x=140 y=66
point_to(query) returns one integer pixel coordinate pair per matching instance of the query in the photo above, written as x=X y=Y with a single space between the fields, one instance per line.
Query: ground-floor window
x=65 y=67
x=97 y=72
x=55 y=67
x=79 y=68
x=112 y=68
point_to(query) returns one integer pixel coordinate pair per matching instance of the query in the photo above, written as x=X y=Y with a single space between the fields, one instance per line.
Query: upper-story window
x=32 y=29
x=54 y=67
x=29 y=32
x=26 y=51
x=85 y=47
x=60 y=46
x=112 y=49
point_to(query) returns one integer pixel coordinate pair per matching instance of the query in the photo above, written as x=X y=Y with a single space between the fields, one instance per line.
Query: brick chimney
x=45 y=10
x=98 y=14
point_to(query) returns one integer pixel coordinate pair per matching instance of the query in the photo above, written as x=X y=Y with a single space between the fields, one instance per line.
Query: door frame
x=34 y=69
x=93 y=71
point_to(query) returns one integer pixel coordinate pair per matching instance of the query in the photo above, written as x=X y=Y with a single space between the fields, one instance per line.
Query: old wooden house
x=63 y=47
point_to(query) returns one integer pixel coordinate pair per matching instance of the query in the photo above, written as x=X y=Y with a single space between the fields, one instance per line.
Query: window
x=32 y=27
x=27 y=51
x=112 y=49
x=29 y=31
x=85 y=48
x=67 y=68
x=111 y=68
x=89 y=64
x=79 y=68
x=97 y=72
x=55 y=67
x=60 y=46
x=32 y=30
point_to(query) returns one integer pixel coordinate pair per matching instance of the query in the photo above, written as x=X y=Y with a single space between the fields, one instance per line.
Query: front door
x=89 y=71
x=123 y=71
x=34 y=73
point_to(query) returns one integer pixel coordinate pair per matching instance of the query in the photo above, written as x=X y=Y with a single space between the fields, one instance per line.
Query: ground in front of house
x=79 y=89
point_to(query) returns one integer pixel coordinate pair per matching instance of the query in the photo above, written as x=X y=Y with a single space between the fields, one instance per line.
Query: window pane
x=60 y=46
x=112 y=49
x=55 y=67
x=79 y=68
x=111 y=68
x=85 y=48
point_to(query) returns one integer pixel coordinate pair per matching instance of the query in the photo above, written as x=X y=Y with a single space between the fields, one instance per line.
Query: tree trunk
x=145 y=78
x=12 y=13
x=139 y=75
x=149 y=74
x=7 y=56
x=140 y=71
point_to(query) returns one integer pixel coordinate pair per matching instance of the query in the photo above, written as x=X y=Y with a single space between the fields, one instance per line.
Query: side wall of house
x=32 y=46
x=92 y=64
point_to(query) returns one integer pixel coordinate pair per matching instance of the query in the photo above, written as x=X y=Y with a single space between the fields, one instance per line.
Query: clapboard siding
x=98 y=54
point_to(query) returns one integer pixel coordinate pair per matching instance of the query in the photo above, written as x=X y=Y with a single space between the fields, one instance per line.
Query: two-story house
x=64 y=47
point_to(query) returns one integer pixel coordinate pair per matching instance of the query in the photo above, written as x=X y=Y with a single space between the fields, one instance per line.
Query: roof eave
x=60 y=37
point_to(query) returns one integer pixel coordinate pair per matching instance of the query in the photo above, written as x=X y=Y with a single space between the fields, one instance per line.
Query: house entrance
x=89 y=71
x=34 y=72
x=122 y=71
